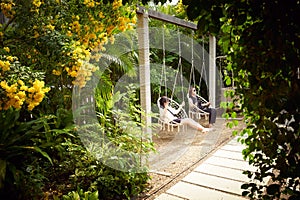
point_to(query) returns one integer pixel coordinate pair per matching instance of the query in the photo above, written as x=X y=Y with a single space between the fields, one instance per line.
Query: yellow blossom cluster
x=36 y=3
x=75 y=26
x=4 y=65
x=91 y=34
x=117 y=4
x=78 y=69
x=5 y=62
x=15 y=97
x=84 y=74
x=124 y=24
x=180 y=8
x=7 y=8
x=50 y=27
x=36 y=94
x=90 y=3
x=18 y=93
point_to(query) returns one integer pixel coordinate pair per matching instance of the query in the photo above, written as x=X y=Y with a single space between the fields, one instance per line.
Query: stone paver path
x=218 y=177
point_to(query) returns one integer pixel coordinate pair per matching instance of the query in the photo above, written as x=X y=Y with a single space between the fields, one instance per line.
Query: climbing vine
x=261 y=42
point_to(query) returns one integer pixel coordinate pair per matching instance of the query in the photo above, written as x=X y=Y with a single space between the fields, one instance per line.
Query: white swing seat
x=171 y=125
x=194 y=111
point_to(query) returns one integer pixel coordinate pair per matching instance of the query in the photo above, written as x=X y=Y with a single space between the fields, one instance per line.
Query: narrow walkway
x=218 y=177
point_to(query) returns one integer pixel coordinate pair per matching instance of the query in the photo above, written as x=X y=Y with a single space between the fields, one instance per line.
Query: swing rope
x=192 y=72
x=202 y=68
x=163 y=69
x=179 y=68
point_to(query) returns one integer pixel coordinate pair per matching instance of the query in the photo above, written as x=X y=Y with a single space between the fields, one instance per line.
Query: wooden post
x=212 y=70
x=144 y=68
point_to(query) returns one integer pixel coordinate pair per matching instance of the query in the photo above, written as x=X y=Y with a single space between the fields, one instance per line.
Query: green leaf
x=245 y=193
x=228 y=81
x=43 y=153
x=273 y=189
x=2 y=172
x=245 y=186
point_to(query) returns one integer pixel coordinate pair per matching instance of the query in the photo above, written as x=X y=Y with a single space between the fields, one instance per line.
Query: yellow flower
x=31 y=106
x=24 y=88
x=12 y=88
x=21 y=94
x=51 y=27
x=4 y=84
x=117 y=4
x=5 y=65
x=6 y=49
x=133 y=20
x=10 y=58
x=47 y=89
x=31 y=89
x=112 y=39
x=73 y=74
x=36 y=34
x=69 y=33
x=21 y=82
x=56 y=72
x=37 y=3
x=101 y=15
x=37 y=84
x=38 y=97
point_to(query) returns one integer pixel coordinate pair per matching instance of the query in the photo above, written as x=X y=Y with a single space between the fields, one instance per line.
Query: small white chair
x=170 y=125
x=194 y=111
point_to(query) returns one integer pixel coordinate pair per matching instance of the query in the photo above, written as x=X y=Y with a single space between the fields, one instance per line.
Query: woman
x=203 y=106
x=167 y=114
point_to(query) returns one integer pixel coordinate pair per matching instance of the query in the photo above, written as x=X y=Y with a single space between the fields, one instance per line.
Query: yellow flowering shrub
x=17 y=94
x=36 y=93
x=8 y=8
x=57 y=39
x=19 y=91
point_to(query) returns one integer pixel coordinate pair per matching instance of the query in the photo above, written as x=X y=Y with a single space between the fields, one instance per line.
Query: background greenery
x=43 y=46
x=261 y=41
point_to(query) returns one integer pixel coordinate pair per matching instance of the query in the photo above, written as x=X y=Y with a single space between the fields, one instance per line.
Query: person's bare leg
x=192 y=123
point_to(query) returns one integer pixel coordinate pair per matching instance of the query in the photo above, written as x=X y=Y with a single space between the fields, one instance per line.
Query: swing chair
x=194 y=111
x=181 y=114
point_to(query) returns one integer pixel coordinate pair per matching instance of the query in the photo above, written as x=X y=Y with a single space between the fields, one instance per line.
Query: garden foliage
x=261 y=42
x=44 y=46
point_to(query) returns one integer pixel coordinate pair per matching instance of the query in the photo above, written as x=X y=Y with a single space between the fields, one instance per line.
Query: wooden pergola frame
x=144 y=60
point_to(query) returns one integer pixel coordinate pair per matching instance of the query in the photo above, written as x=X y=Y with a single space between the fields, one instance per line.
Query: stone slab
x=214 y=182
x=229 y=154
x=230 y=163
x=235 y=148
x=194 y=192
x=235 y=142
x=165 y=196
x=224 y=172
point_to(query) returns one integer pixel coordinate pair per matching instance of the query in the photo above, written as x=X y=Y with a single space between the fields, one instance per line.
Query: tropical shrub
x=27 y=149
x=44 y=46
x=261 y=44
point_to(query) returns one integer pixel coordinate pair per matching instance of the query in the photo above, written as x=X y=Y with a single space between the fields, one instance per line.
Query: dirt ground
x=178 y=153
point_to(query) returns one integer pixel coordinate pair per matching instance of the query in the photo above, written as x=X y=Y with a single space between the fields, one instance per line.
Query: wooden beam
x=167 y=18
